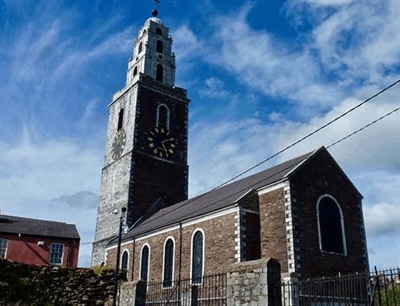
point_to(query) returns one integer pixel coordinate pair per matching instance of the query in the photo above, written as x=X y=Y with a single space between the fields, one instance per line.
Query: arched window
x=163 y=116
x=159 y=46
x=330 y=225
x=144 y=263
x=124 y=260
x=197 y=257
x=135 y=71
x=120 y=119
x=159 y=73
x=158 y=31
x=168 y=263
x=140 y=47
x=3 y=248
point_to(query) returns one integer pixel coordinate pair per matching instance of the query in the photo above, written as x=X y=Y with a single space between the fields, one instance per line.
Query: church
x=305 y=213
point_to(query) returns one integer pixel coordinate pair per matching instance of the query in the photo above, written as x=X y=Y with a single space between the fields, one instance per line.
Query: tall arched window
x=197 y=257
x=144 y=263
x=135 y=71
x=168 y=270
x=330 y=225
x=159 y=73
x=140 y=47
x=120 y=119
x=124 y=260
x=159 y=46
x=163 y=116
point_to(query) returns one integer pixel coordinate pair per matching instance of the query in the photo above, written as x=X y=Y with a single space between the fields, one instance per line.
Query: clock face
x=118 y=144
x=161 y=143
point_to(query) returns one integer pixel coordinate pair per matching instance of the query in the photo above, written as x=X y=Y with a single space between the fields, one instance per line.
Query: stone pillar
x=247 y=283
x=132 y=294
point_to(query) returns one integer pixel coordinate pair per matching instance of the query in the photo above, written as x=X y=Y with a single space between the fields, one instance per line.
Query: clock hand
x=169 y=139
x=166 y=152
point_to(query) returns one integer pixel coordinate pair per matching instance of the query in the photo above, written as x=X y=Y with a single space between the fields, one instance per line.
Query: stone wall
x=22 y=284
x=247 y=283
x=321 y=176
x=273 y=228
x=219 y=248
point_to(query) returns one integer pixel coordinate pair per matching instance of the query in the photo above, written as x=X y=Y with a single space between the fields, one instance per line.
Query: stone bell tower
x=145 y=161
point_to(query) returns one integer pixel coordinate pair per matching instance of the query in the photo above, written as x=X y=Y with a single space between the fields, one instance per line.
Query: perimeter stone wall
x=22 y=284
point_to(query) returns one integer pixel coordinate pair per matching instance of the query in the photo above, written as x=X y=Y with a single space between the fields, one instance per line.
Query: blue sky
x=260 y=74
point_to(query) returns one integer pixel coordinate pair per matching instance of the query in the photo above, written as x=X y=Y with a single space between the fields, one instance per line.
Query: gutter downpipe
x=180 y=257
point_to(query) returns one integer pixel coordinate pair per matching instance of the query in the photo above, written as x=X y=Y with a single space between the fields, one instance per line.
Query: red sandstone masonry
x=273 y=229
x=219 y=236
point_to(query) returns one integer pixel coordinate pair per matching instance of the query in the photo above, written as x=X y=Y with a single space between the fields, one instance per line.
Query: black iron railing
x=379 y=288
x=210 y=290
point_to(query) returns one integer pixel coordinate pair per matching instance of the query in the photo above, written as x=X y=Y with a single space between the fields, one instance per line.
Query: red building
x=39 y=242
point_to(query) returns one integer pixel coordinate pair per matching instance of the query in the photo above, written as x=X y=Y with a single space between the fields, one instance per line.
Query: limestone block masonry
x=138 y=171
x=247 y=283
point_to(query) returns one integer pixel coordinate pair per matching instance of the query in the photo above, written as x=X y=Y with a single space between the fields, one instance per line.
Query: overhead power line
x=296 y=142
x=282 y=170
x=309 y=135
x=363 y=128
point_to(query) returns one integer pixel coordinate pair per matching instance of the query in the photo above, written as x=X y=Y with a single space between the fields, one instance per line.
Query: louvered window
x=163 y=116
x=159 y=73
x=159 y=46
x=120 y=119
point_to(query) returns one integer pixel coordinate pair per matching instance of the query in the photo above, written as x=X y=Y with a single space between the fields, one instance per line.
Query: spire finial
x=154 y=12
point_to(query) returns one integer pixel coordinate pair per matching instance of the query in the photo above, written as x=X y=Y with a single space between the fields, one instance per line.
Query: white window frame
x=3 y=246
x=122 y=256
x=173 y=262
x=341 y=224
x=158 y=115
x=51 y=251
x=148 y=263
x=191 y=255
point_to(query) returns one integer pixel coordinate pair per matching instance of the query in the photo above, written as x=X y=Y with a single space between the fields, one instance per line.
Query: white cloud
x=356 y=40
x=264 y=63
x=80 y=200
x=58 y=169
x=382 y=219
x=186 y=43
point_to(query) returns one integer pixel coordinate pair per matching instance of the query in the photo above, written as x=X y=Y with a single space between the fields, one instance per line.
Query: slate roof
x=35 y=227
x=216 y=199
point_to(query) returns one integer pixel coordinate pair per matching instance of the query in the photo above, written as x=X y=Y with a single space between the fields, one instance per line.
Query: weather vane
x=156 y=6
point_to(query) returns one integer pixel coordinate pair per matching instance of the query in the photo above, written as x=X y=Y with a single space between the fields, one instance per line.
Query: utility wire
x=363 y=128
x=293 y=144
x=308 y=135
x=281 y=171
